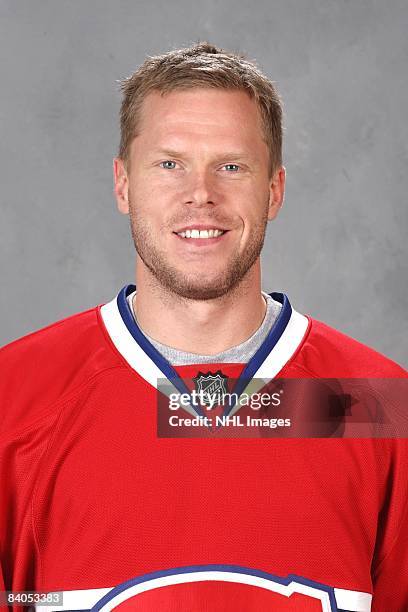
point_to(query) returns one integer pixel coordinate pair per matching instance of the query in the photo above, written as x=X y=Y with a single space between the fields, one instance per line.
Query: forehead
x=201 y=112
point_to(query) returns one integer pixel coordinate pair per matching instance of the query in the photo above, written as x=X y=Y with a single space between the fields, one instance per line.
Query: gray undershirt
x=241 y=353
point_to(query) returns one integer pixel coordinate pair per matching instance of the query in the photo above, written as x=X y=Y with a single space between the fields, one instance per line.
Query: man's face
x=199 y=193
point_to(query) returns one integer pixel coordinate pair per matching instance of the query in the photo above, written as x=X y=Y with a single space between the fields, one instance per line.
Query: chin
x=195 y=291
x=201 y=295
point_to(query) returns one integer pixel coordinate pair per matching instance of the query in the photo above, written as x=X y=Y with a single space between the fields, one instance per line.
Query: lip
x=200 y=226
x=200 y=242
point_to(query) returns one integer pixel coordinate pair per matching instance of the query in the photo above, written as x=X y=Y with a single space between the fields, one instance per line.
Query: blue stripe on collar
x=266 y=347
x=172 y=375
x=160 y=361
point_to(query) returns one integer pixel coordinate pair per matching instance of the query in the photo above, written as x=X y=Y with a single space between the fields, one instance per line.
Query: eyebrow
x=228 y=154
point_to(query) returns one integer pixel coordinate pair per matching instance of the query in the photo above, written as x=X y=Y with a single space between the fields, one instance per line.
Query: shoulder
x=327 y=352
x=39 y=369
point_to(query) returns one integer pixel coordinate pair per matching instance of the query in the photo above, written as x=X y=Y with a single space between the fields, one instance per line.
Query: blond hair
x=201 y=65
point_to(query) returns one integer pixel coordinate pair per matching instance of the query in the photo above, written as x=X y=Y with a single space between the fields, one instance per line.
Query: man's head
x=201 y=149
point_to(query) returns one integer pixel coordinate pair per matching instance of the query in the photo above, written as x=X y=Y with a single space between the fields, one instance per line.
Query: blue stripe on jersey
x=235 y=569
x=267 y=345
x=170 y=373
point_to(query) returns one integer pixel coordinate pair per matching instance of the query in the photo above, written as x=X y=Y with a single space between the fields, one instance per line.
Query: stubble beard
x=195 y=287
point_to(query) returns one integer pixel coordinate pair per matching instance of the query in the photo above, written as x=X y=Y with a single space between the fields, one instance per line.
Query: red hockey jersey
x=96 y=504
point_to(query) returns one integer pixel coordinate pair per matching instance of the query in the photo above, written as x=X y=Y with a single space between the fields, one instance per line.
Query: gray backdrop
x=339 y=247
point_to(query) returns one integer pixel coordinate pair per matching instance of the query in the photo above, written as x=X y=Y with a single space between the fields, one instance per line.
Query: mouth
x=200 y=233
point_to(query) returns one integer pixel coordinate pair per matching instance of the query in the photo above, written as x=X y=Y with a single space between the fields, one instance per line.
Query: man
x=126 y=502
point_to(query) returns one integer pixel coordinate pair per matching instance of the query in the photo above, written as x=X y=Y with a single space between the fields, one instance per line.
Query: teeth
x=195 y=233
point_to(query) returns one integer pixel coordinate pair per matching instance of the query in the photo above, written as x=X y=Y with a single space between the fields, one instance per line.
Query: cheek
x=253 y=209
x=146 y=199
x=149 y=221
x=254 y=220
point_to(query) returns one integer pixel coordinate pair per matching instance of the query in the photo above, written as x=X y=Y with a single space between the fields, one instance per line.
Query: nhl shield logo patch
x=212 y=387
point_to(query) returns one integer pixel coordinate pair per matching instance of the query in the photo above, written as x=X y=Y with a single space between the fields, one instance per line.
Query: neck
x=204 y=327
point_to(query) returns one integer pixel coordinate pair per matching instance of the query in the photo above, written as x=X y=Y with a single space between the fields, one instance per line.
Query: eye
x=231 y=167
x=168 y=164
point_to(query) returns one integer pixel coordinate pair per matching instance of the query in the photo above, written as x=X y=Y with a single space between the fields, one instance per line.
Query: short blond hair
x=201 y=65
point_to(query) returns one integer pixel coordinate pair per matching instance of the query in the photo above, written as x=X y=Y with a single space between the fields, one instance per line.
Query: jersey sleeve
x=20 y=463
x=37 y=373
x=391 y=576
x=17 y=470
x=390 y=563
x=3 y=607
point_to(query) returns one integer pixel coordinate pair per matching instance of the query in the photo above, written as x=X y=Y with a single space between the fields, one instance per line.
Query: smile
x=203 y=234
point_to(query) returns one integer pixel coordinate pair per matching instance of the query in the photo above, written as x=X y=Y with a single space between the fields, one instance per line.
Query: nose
x=200 y=189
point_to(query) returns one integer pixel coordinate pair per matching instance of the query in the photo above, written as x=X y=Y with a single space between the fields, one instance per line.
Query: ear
x=276 y=192
x=121 y=183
